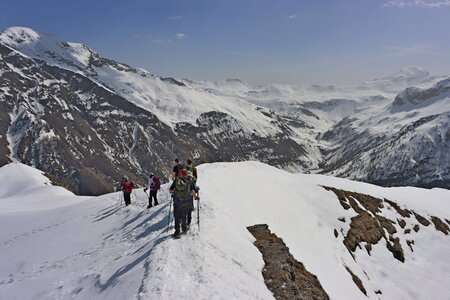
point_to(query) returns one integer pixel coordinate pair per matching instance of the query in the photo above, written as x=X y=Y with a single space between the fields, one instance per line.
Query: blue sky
x=258 y=41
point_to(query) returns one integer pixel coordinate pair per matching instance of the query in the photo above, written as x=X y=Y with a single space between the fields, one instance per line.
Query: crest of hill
x=26 y=189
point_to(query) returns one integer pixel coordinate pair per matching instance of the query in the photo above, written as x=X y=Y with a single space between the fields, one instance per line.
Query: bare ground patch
x=422 y=220
x=284 y=276
x=441 y=226
x=369 y=226
x=357 y=281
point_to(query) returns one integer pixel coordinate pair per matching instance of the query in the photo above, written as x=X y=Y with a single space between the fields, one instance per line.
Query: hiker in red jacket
x=127 y=187
x=154 y=185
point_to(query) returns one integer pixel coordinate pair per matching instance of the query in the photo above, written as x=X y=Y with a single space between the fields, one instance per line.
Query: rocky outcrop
x=284 y=276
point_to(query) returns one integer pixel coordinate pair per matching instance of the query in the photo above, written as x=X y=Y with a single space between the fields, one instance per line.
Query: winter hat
x=151 y=175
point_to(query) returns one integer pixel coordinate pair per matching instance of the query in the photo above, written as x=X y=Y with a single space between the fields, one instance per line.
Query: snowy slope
x=98 y=249
x=27 y=189
x=47 y=47
x=175 y=100
x=170 y=100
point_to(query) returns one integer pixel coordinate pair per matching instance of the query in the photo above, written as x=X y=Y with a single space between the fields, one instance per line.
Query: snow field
x=59 y=246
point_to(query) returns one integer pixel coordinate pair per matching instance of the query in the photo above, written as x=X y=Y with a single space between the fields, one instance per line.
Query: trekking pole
x=168 y=221
x=198 y=210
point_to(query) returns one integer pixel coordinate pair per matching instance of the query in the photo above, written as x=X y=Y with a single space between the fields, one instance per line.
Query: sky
x=257 y=41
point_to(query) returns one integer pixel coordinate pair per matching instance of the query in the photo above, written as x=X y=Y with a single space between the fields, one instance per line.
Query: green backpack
x=182 y=188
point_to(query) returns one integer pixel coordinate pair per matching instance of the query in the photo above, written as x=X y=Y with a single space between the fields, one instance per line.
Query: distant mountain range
x=90 y=120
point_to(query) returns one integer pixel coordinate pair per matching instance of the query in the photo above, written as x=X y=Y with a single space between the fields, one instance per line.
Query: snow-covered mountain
x=360 y=241
x=89 y=120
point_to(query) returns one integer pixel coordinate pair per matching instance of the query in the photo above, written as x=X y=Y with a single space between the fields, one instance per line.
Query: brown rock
x=363 y=228
x=284 y=276
x=402 y=223
x=421 y=219
x=441 y=226
x=357 y=281
x=410 y=243
x=396 y=249
x=403 y=212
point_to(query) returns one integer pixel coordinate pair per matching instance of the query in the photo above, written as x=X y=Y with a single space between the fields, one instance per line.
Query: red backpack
x=156 y=183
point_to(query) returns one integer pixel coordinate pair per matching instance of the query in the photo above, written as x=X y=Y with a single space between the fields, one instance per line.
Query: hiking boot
x=156 y=203
x=149 y=206
x=184 y=232
x=176 y=235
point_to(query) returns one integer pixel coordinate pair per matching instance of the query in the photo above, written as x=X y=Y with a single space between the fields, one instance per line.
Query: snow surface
x=54 y=245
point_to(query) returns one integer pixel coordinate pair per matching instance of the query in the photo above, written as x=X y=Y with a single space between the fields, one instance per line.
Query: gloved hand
x=145 y=189
x=197 y=198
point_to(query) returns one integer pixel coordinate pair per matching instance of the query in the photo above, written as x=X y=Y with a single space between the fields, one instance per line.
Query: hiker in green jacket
x=181 y=188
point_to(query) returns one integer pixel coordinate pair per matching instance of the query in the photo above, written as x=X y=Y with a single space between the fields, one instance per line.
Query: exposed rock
x=396 y=248
x=403 y=212
x=336 y=233
x=416 y=228
x=410 y=243
x=402 y=223
x=370 y=203
x=357 y=281
x=368 y=226
x=363 y=228
x=387 y=224
x=441 y=226
x=422 y=220
x=284 y=276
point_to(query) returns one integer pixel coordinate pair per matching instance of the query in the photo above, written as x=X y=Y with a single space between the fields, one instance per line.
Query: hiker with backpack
x=177 y=168
x=190 y=167
x=181 y=188
x=154 y=185
x=191 y=200
x=127 y=187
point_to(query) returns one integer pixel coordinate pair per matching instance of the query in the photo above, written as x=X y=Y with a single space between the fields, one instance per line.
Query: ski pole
x=198 y=209
x=168 y=221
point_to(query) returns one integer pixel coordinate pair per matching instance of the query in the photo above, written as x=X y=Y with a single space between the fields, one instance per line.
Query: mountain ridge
x=334 y=130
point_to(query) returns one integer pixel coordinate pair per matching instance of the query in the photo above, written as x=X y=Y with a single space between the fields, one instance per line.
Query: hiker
x=181 y=188
x=192 y=168
x=177 y=168
x=127 y=187
x=191 y=200
x=154 y=185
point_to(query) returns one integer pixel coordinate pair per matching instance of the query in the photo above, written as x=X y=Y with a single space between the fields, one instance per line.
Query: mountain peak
x=412 y=73
x=19 y=35
x=46 y=47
